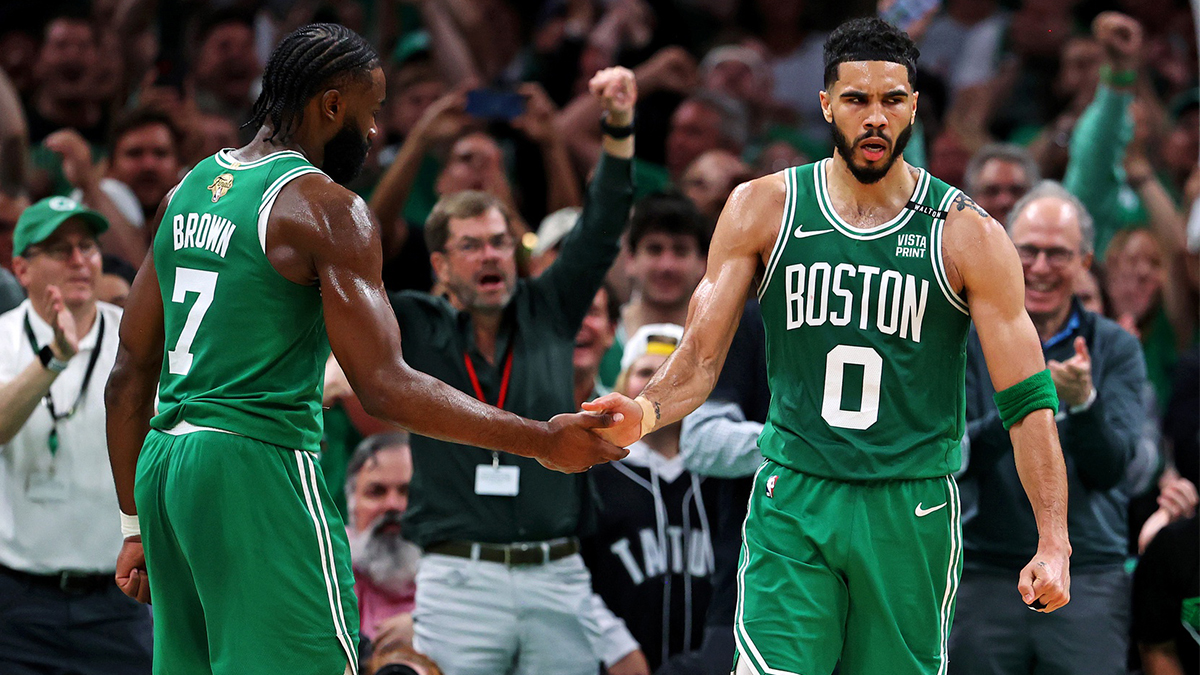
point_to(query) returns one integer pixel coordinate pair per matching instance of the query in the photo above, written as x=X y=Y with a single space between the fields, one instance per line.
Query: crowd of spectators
x=1075 y=123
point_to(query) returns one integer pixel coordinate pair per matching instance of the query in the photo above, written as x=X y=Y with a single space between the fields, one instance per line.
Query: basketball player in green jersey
x=870 y=272
x=262 y=262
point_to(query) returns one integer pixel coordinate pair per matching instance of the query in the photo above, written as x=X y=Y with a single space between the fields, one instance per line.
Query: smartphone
x=904 y=13
x=495 y=104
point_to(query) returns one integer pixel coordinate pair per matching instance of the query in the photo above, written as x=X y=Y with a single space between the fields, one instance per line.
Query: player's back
x=244 y=347
x=866 y=341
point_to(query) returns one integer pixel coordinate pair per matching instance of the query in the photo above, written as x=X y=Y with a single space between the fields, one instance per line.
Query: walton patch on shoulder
x=220 y=186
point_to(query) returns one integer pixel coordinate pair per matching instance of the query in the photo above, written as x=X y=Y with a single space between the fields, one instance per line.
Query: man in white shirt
x=60 y=610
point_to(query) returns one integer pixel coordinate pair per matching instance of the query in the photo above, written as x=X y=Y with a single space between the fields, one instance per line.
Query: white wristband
x=130 y=527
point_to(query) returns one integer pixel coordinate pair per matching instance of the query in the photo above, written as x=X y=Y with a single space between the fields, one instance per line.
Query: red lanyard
x=508 y=361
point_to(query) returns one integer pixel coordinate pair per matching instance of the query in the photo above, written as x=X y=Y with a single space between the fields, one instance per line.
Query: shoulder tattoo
x=962 y=201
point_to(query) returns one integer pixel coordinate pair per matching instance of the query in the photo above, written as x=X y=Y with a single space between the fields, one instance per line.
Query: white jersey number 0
x=835 y=371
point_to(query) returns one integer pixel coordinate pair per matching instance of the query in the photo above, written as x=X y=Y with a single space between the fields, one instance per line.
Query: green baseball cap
x=40 y=220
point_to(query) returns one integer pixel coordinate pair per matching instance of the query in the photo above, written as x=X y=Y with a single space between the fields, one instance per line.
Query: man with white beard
x=385 y=564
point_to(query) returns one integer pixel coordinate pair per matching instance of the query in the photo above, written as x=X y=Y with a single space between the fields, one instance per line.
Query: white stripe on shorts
x=951 y=567
x=754 y=658
x=328 y=566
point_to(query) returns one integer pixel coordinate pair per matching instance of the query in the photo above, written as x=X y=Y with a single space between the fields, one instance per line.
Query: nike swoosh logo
x=924 y=512
x=800 y=234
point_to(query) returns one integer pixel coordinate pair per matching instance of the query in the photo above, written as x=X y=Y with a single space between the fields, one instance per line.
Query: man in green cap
x=58 y=556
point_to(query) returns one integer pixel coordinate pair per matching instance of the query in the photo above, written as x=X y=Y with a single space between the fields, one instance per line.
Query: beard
x=869 y=175
x=386 y=558
x=345 y=154
x=466 y=291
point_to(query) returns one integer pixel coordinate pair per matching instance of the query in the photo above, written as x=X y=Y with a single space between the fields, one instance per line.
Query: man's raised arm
x=744 y=235
x=334 y=228
x=983 y=262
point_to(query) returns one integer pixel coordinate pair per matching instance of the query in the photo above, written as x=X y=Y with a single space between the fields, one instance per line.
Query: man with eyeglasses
x=59 y=533
x=1100 y=377
x=501 y=588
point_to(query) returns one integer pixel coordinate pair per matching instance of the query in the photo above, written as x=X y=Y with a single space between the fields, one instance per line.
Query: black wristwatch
x=614 y=132
x=46 y=356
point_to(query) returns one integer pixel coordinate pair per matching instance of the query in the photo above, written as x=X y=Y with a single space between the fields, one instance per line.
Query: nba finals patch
x=220 y=185
x=771 y=486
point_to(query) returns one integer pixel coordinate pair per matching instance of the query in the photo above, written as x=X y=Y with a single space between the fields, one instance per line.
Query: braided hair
x=308 y=59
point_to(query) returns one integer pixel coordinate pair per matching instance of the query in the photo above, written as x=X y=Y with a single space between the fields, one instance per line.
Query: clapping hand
x=1073 y=377
x=66 y=339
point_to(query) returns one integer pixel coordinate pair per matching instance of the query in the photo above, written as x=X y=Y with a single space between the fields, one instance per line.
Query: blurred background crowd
x=111 y=102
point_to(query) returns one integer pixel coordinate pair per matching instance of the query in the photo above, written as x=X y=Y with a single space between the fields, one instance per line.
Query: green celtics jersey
x=866 y=341
x=245 y=348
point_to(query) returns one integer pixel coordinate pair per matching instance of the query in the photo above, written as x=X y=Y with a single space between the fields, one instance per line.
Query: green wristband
x=1033 y=393
x=1123 y=78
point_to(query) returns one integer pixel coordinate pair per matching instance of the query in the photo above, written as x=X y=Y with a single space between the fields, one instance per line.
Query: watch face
x=46 y=355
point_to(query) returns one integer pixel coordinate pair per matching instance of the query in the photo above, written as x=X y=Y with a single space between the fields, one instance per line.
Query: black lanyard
x=55 y=416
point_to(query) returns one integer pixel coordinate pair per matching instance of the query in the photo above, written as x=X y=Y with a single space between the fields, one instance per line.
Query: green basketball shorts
x=247 y=557
x=861 y=574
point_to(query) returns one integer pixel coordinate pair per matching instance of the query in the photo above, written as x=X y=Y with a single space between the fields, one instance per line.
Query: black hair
x=112 y=264
x=368 y=448
x=144 y=117
x=669 y=213
x=869 y=39
x=308 y=59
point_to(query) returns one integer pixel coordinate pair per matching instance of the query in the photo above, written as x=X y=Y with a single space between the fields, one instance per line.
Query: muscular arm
x=744 y=234
x=328 y=232
x=129 y=396
x=982 y=264
x=133 y=383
